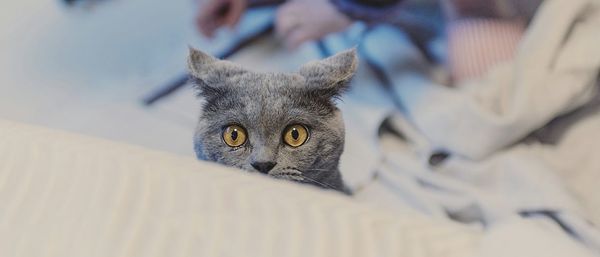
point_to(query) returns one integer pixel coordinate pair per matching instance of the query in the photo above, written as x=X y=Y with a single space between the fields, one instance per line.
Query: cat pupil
x=234 y=135
x=295 y=134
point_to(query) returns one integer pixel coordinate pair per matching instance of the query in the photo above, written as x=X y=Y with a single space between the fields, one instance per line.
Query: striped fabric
x=475 y=45
x=67 y=195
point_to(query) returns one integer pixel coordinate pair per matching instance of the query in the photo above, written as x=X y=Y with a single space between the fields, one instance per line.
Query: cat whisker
x=318 y=170
x=323 y=184
x=289 y=172
x=300 y=177
x=298 y=174
x=295 y=177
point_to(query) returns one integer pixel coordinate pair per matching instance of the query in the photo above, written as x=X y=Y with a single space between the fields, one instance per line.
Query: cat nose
x=264 y=167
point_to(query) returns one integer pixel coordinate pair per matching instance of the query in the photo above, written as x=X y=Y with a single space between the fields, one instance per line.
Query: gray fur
x=265 y=104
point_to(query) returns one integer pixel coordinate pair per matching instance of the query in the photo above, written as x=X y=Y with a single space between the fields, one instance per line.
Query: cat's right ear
x=210 y=74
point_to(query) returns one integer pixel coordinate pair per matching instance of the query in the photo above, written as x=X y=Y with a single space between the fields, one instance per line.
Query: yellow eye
x=234 y=135
x=295 y=135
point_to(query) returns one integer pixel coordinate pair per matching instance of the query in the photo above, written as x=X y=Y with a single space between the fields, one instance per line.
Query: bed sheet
x=69 y=195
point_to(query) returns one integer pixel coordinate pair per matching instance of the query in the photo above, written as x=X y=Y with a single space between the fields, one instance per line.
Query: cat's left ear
x=331 y=76
x=210 y=74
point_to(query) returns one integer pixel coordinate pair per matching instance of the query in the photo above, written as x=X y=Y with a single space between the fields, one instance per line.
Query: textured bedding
x=68 y=195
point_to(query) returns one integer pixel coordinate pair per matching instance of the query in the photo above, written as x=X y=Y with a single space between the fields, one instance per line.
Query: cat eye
x=234 y=135
x=295 y=135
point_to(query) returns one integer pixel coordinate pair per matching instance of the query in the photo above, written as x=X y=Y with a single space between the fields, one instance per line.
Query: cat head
x=285 y=125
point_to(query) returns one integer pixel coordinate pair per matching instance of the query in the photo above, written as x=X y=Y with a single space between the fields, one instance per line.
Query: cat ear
x=331 y=76
x=208 y=73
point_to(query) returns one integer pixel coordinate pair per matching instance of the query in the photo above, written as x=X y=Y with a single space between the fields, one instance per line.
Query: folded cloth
x=554 y=72
x=491 y=174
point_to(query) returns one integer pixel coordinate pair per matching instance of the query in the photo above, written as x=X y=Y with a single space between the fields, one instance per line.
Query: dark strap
x=553 y=215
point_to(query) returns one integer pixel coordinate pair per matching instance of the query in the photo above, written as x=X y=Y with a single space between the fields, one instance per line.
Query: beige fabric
x=576 y=159
x=68 y=195
x=554 y=72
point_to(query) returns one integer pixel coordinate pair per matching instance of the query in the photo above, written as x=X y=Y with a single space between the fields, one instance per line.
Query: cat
x=284 y=125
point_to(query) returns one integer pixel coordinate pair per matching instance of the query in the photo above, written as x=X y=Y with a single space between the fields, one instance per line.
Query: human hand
x=213 y=14
x=299 y=21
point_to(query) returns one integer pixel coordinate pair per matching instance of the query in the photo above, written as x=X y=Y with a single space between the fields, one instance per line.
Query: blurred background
x=85 y=68
x=102 y=67
x=88 y=66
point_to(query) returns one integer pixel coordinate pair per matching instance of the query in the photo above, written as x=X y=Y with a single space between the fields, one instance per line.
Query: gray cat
x=284 y=125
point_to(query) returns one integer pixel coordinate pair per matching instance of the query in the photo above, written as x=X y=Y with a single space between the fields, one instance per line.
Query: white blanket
x=555 y=71
x=68 y=195
x=493 y=179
